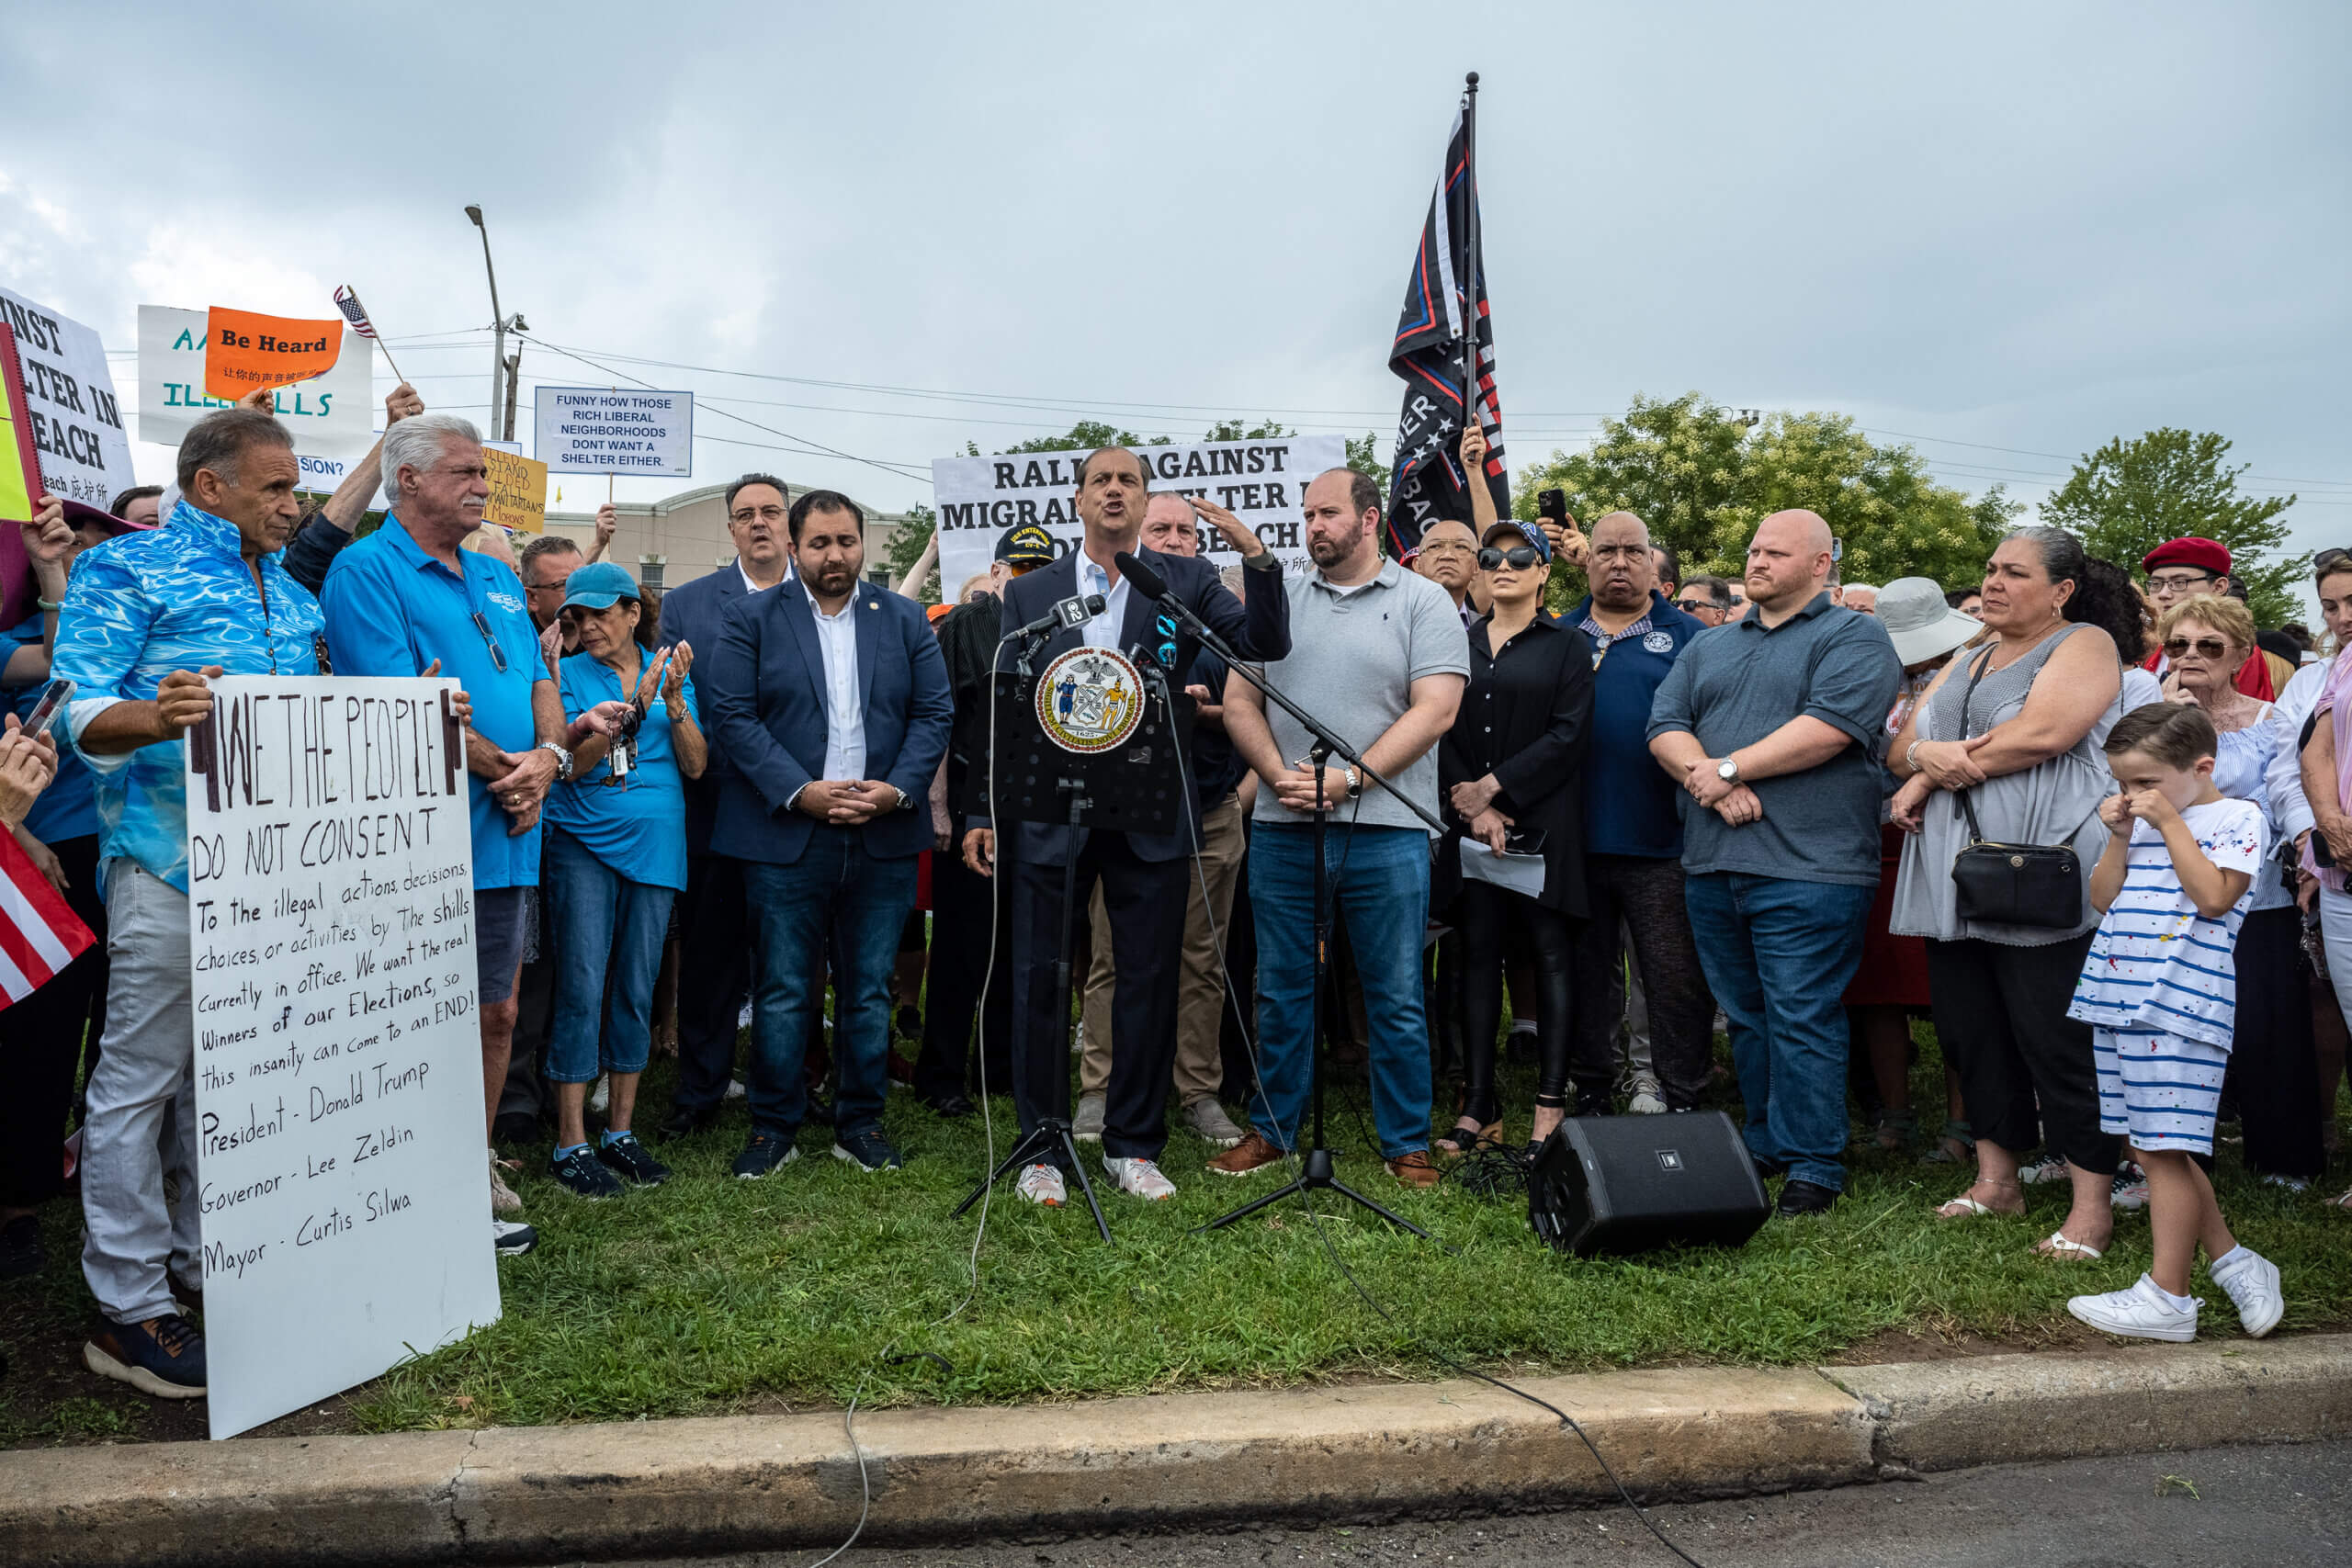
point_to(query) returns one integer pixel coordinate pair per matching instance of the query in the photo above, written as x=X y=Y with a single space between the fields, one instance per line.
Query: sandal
x=1968 y=1208
x=2345 y=1203
x=1956 y=1145
x=1462 y=1139
x=2058 y=1244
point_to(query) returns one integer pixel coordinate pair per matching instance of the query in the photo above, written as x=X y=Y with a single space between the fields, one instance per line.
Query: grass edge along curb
x=707 y=1484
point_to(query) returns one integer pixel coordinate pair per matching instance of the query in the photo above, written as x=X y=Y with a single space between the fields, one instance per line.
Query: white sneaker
x=602 y=1101
x=503 y=1198
x=744 y=1019
x=512 y=1240
x=2051 y=1169
x=735 y=1089
x=1648 y=1098
x=1043 y=1184
x=2252 y=1285
x=2130 y=1188
x=1141 y=1176
x=2140 y=1313
x=2291 y=1183
x=1085 y=1127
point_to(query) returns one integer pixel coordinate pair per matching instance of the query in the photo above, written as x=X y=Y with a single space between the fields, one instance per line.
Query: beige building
x=677 y=539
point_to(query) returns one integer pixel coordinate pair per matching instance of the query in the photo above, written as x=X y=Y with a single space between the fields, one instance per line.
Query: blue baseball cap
x=598 y=586
x=1531 y=533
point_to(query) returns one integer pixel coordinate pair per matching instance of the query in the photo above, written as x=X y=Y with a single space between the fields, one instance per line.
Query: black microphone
x=1150 y=582
x=1072 y=612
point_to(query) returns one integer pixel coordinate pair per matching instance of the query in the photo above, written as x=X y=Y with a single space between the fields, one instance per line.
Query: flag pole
x=1468 y=268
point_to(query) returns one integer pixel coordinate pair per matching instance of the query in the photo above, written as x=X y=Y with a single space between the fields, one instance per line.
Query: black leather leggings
x=1484 y=911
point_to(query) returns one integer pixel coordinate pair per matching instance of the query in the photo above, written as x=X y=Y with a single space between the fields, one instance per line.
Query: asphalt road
x=2246 y=1508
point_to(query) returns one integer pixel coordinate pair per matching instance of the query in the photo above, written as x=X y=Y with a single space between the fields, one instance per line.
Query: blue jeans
x=1380 y=887
x=836 y=898
x=608 y=940
x=1779 y=955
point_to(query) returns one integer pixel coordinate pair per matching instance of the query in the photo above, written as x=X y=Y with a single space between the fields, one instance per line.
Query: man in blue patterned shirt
x=148 y=617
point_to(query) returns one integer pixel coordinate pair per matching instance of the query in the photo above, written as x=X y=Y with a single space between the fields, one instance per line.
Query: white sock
x=2178 y=1303
x=2230 y=1262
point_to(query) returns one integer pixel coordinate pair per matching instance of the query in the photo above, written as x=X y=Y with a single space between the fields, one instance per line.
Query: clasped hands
x=846 y=801
x=1735 y=803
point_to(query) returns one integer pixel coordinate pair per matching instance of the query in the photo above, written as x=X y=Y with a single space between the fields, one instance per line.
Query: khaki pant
x=1200 y=987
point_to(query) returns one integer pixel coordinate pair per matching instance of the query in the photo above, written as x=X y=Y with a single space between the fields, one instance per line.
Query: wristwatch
x=563 y=759
x=1355 y=784
x=1727 y=771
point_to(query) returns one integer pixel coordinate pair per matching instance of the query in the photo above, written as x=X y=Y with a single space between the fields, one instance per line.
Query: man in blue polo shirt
x=407 y=595
x=1634 y=837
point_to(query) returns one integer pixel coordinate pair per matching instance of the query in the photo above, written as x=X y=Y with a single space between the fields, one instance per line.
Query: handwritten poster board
x=601 y=430
x=518 y=492
x=1262 y=483
x=69 y=395
x=344 y=1196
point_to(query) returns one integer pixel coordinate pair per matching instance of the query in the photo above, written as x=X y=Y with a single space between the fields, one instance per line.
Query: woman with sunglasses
x=2274 y=1066
x=615 y=853
x=1509 y=768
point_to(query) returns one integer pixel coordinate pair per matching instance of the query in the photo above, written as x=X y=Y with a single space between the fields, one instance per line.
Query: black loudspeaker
x=1616 y=1184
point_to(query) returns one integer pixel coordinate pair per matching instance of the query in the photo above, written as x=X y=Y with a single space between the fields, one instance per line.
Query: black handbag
x=2013 y=884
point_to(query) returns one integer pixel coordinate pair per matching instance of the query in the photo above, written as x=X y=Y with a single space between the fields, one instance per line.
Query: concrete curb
x=647 y=1488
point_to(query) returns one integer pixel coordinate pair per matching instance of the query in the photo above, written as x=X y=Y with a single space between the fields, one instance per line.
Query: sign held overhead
x=601 y=430
x=332 y=417
x=244 y=352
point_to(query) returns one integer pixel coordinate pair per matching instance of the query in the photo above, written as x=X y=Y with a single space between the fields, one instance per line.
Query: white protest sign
x=333 y=416
x=1261 y=483
x=342 y=1187
x=84 y=452
x=324 y=476
x=601 y=430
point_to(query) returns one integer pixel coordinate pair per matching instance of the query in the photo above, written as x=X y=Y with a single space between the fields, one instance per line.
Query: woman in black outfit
x=1509 y=768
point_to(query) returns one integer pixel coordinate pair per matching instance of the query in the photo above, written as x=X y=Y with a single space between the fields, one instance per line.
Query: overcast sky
x=2009 y=233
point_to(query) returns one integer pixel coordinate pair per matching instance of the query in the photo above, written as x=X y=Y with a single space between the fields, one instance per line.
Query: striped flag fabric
x=348 y=300
x=38 y=934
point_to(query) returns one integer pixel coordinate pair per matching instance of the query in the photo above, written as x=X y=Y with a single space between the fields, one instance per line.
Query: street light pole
x=497 y=326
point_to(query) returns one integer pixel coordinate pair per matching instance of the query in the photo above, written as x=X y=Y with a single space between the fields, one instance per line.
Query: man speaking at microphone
x=1143 y=876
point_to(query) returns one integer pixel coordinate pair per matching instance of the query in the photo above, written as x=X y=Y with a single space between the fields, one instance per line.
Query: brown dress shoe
x=1413 y=1169
x=1251 y=1154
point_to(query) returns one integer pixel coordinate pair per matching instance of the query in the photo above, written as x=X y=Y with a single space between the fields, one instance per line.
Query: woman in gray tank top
x=2017 y=722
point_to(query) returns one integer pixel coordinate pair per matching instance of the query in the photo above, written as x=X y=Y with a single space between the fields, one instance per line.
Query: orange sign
x=245 y=352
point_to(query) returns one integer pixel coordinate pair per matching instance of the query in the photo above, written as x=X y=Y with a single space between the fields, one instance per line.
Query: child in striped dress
x=2159 y=991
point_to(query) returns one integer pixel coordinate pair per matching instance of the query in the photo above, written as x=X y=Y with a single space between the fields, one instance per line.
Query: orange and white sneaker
x=1141 y=1176
x=1043 y=1184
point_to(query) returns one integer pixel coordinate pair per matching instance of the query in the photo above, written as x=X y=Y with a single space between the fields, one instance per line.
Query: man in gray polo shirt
x=1378 y=653
x=1774 y=725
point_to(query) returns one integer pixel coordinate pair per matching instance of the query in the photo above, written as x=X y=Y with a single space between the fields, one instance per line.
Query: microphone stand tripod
x=1315 y=1173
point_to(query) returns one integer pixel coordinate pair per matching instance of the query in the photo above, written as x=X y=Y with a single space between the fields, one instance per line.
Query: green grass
x=711 y=1295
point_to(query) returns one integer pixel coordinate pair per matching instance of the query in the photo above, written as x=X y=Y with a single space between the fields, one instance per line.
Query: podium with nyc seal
x=1092 y=740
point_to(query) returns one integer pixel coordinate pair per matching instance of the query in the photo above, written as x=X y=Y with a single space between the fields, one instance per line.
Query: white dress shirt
x=752 y=587
x=1102 y=631
x=2289 y=811
x=844 y=720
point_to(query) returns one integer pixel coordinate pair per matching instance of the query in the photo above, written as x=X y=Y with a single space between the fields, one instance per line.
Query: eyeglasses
x=2178 y=582
x=1448 y=547
x=771 y=514
x=1693 y=606
x=2206 y=647
x=1519 y=557
x=489 y=640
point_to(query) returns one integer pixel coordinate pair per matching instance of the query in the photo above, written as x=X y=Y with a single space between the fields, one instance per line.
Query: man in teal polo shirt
x=407 y=595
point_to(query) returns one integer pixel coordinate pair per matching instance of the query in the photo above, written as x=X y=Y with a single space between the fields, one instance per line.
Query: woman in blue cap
x=616 y=856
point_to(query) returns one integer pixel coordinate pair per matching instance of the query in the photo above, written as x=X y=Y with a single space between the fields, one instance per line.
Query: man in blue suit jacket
x=829 y=700
x=714 y=961
x=1144 y=876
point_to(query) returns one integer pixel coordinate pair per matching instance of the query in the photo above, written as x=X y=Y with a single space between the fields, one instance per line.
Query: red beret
x=2205 y=555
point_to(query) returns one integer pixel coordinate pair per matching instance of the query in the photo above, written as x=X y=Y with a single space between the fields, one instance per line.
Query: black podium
x=1090 y=741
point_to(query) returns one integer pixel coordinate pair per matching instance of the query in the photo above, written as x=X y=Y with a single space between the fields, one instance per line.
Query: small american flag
x=354 y=311
x=38 y=934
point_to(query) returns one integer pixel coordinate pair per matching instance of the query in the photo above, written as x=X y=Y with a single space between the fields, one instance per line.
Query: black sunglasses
x=2206 y=647
x=2329 y=557
x=497 y=656
x=1519 y=557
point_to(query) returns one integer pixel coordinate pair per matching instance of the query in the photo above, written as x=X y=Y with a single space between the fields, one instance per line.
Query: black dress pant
x=2001 y=1015
x=2274 y=1064
x=714 y=976
x=1144 y=901
x=1645 y=895
x=1486 y=913
x=967 y=920
x=43 y=1039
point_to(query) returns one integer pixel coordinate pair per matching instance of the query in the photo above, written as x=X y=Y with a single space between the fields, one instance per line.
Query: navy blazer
x=693 y=613
x=765 y=689
x=1258 y=627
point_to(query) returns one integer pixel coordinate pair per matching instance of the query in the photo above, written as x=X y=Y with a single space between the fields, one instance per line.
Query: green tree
x=1702 y=477
x=2130 y=496
x=1363 y=456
